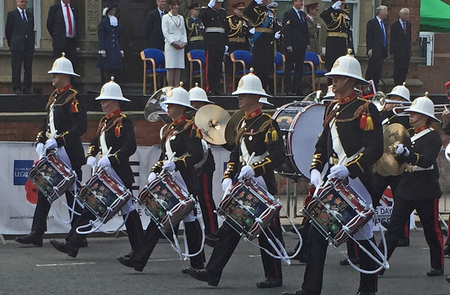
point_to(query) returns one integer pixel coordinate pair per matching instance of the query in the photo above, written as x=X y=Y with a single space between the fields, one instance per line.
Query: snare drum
x=248 y=208
x=337 y=211
x=103 y=195
x=166 y=201
x=52 y=176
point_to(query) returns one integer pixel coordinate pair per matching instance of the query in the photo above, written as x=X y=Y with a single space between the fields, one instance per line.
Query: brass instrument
x=231 y=128
x=380 y=100
x=154 y=109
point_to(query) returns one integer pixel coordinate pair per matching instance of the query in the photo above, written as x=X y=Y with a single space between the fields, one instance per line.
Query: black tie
x=24 y=18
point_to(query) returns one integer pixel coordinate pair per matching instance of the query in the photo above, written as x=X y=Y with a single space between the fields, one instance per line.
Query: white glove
x=402 y=150
x=51 y=144
x=277 y=35
x=91 y=161
x=169 y=165
x=316 y=178
x=247 y=172
x=211 y=3
x=151 y=176
x=259 y=2
x=370 y=53
x=226 y=184
x=226 y=48
x=336 y=5
x=339 y=172
x=251 y=31
x=40 y=149
x=104 y=162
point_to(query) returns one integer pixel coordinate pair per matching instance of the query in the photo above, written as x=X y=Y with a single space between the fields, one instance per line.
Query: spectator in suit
x=376 y=39
x=110 y=44
x=400 y=46
x=296 y=40
x=19 y=33
x=153 y=29
x=62 y=24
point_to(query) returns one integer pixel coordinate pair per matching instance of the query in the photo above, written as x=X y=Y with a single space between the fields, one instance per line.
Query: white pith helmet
x=63 y=66
x=198 y=94
x=179 y=96
x=400 y=90
x=423 y=105
x=264 y=100
x=111 y=90
x=348 y=66
x=250 y=84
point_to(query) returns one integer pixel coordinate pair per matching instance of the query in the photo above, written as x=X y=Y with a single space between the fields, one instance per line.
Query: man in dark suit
x=20 y=36
x=400 y=47
x=153 y=30
x=62 y=24
x=296 y=40
x=376 y=38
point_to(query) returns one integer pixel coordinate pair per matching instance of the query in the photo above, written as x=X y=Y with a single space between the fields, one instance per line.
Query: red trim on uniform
x=179 y=120
x=206 y=70
x=67 y=87
x=420 y=129
x=346 y=99
x=110 y=115
x=253 y=114
x=437 y=227
x=209 y=208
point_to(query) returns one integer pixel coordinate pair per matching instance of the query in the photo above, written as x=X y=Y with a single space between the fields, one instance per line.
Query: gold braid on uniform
x=111 y=122
x=171 y=128
x=157 y=167
x=70 y=98
x=261 y=17
x=190 y=28
x=337 y=21
x=40 y=137
x=366 y=122
x=267 y=126
x=234 y=29
x=228 y=170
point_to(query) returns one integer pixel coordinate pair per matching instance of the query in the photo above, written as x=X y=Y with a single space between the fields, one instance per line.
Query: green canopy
x=434 y=16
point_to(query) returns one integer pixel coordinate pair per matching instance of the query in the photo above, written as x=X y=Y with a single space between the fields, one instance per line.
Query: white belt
x=215 y=30
x=338 y=148
x=416 y=168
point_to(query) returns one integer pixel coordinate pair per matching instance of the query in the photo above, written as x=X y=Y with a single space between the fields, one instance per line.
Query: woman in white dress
x=174 y=32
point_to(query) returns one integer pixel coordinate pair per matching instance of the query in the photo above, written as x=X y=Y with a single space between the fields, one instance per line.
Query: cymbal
x=212 y=120
x=393 y=135
x=231 y=128
x=153 y=109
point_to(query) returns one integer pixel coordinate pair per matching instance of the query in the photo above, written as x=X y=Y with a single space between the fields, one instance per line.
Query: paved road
x=28 y=270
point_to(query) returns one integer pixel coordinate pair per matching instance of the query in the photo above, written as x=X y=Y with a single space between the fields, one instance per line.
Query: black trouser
x=228 y=241
x=70 y=50
x=428 y=211
x=17 y=59
x=213 y=75
x=374 y=69
x=43 y=208
x=294 y=62
x=401 y=66
x=315 y=262
x=262 y=62
x=207 y=204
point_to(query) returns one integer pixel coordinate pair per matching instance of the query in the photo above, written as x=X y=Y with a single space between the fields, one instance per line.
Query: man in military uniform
x=65 y=124
x=266 y=29
x=116 y=142
x=238 y=37
x=314 y=25
x=215 y=39
x=350 y=143
x=339 y=32
x=194 y=28
x=257 y=135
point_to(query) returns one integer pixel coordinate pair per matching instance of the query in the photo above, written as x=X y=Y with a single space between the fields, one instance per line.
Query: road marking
x=254 y=256
x=162 y=259
x=65 y=264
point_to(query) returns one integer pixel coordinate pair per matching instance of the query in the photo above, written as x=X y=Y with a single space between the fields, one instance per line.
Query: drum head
x=286 y=114
x=302 y=139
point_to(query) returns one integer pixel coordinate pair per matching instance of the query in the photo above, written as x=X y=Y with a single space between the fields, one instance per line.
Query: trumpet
x=380 y=100
x=440 y=108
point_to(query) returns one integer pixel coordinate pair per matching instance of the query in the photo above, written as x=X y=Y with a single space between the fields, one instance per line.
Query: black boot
x=34 y=238
x=66 y=247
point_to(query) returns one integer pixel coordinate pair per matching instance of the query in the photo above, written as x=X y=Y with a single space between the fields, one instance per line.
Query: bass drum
x=284 y=116
x=303 y=135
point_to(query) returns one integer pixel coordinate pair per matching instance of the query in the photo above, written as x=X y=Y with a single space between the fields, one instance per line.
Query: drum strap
x=415 y=168
x=51 y=119
x=169 y=151
x=337 y=146
x=103 y=144
x=245 y=155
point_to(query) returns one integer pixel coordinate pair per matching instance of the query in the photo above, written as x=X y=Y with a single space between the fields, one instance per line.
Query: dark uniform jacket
x=188 y=149
x=194 y=31
x=238 y=34
x=20 y=35
x=352 y=138
x=119 y=136
x=109 y=40
x=56 y=25
x=421 y=184
x=261 y=134
x=214 y=19
x=70 y=121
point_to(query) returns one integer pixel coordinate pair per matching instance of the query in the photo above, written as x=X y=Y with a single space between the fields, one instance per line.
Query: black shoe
x=434 y=272
x=204 y=275
x=32 y=238
x=211 y=240
x=187 y=269
x=447 y=250
x=130 y=262
x=27 y=91
x=403 y=242
x=365 y=293
x=66 y=247
x=18 y=91
x=381 y=272
x=448 y=279
x=269 y=283
x=354 y=260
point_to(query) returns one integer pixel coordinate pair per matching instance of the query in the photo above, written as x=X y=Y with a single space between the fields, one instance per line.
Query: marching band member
x=446 y=128
x=182 y=140
x=116 y=132
x=257 y=133
x=198 y=99
x=419 y=186
x=66 y=115
x=351 y=141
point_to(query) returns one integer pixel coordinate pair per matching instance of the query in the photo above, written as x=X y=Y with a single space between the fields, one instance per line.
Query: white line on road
x=65 y=264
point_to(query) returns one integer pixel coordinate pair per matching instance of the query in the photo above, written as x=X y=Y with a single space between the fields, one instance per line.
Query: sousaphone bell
x=155 y=108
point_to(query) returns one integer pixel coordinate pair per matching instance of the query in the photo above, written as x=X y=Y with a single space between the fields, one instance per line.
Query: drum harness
x=342 y=159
